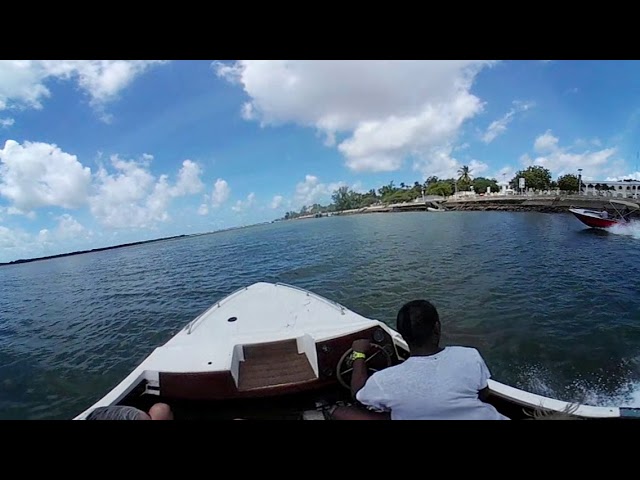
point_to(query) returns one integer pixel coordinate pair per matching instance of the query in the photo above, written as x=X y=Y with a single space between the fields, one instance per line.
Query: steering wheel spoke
x=368 y=359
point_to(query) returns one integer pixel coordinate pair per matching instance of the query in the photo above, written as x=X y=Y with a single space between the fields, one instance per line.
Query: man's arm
x=484 y=376
x=360 y=373
x=359 y=376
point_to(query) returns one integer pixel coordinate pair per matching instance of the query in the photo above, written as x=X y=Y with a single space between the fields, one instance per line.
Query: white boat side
x=268 y=312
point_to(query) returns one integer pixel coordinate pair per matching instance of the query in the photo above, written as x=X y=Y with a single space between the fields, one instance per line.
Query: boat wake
x=588 y=392
x=630 y=230
x=627 y=395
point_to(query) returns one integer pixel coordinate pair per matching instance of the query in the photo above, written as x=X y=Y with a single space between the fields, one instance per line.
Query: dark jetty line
x=90 y=251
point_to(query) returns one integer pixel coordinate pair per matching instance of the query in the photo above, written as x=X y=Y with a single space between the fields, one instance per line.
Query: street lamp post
x=579 y=181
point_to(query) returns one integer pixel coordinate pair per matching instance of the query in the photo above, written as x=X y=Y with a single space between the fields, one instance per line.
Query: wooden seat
x=272 y=364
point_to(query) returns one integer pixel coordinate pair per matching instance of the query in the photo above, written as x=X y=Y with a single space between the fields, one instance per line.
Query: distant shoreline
x=542 y=204
x=510 y=203
x=123 y=245
x=80 y=252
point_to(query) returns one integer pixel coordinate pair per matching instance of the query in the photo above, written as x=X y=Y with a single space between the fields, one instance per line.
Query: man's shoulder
x=460 y=351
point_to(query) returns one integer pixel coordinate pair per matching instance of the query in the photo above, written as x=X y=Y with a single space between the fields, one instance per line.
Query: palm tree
x=465 y=175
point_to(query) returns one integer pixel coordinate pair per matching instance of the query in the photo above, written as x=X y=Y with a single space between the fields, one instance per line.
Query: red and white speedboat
x=604 y=219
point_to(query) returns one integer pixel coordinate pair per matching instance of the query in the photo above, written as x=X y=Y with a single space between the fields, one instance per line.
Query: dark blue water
x=553 y=307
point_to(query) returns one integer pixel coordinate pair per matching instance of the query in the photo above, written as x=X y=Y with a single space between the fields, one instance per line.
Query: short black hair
x=416 y=321
x=116 y=412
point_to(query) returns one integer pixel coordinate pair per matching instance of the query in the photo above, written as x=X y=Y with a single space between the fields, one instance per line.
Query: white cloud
x=584 y=143
x=221 y=193
x=388 y=110
x=6 y=122
x=12 y=239
x=67 y=235
x=133 y=197
x=498 y=127
x=277 y=202
x=358 y=187
x=560 y=160
x=203 y=209
x=312 y=191
x=68 y=230
x=505 y=174
x=22 y=82
x=69 y=227
x=546 y=143
x=37 y=174
x=438 y=162
x=628 y=176
x=241 y=206
x=477 y=168
x=188 y=180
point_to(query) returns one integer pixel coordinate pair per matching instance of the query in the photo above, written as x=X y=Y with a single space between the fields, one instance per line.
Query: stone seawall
x=527 y=204
x=544 y=204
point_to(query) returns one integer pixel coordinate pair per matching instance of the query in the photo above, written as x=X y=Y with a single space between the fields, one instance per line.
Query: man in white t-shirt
x=434 y=383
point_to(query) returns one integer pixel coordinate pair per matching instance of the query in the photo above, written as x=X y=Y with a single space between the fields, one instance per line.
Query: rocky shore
x=543 y=204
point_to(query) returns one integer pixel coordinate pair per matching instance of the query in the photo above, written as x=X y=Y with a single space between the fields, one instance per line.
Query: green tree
x=432 y=179
x=342 y=199
x=480 y=184
x=465 y=177
x=568 y=183
x=442 y=188
x=535 y=176
x=386 y=190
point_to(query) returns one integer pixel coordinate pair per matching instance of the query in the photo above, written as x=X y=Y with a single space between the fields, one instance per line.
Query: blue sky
x=96 y=153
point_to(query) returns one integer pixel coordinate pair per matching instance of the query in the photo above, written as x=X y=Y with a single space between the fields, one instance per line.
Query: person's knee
x=161 y=411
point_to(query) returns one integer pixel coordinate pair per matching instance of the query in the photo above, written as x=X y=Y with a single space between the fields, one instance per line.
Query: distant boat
x=274 y=351
x=602 y=219
x=431 y=209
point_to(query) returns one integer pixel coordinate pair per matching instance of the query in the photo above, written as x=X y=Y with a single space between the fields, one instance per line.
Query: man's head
x=117 y=412
x=159 y=411
x=419 y=324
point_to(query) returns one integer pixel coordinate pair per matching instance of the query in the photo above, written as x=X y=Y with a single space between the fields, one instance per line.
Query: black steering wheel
x=383 y=359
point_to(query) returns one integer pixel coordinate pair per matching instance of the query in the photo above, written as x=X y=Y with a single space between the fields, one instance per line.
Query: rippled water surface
x=553 y=307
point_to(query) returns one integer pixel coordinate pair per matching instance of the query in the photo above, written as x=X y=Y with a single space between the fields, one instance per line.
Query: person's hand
x=361 y=345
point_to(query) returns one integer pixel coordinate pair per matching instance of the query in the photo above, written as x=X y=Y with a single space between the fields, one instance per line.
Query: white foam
x=627 y=395
x=592 y=392
x=631 y=229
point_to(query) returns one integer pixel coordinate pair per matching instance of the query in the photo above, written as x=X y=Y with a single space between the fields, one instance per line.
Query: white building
x=623 y=189
x=505 y=189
